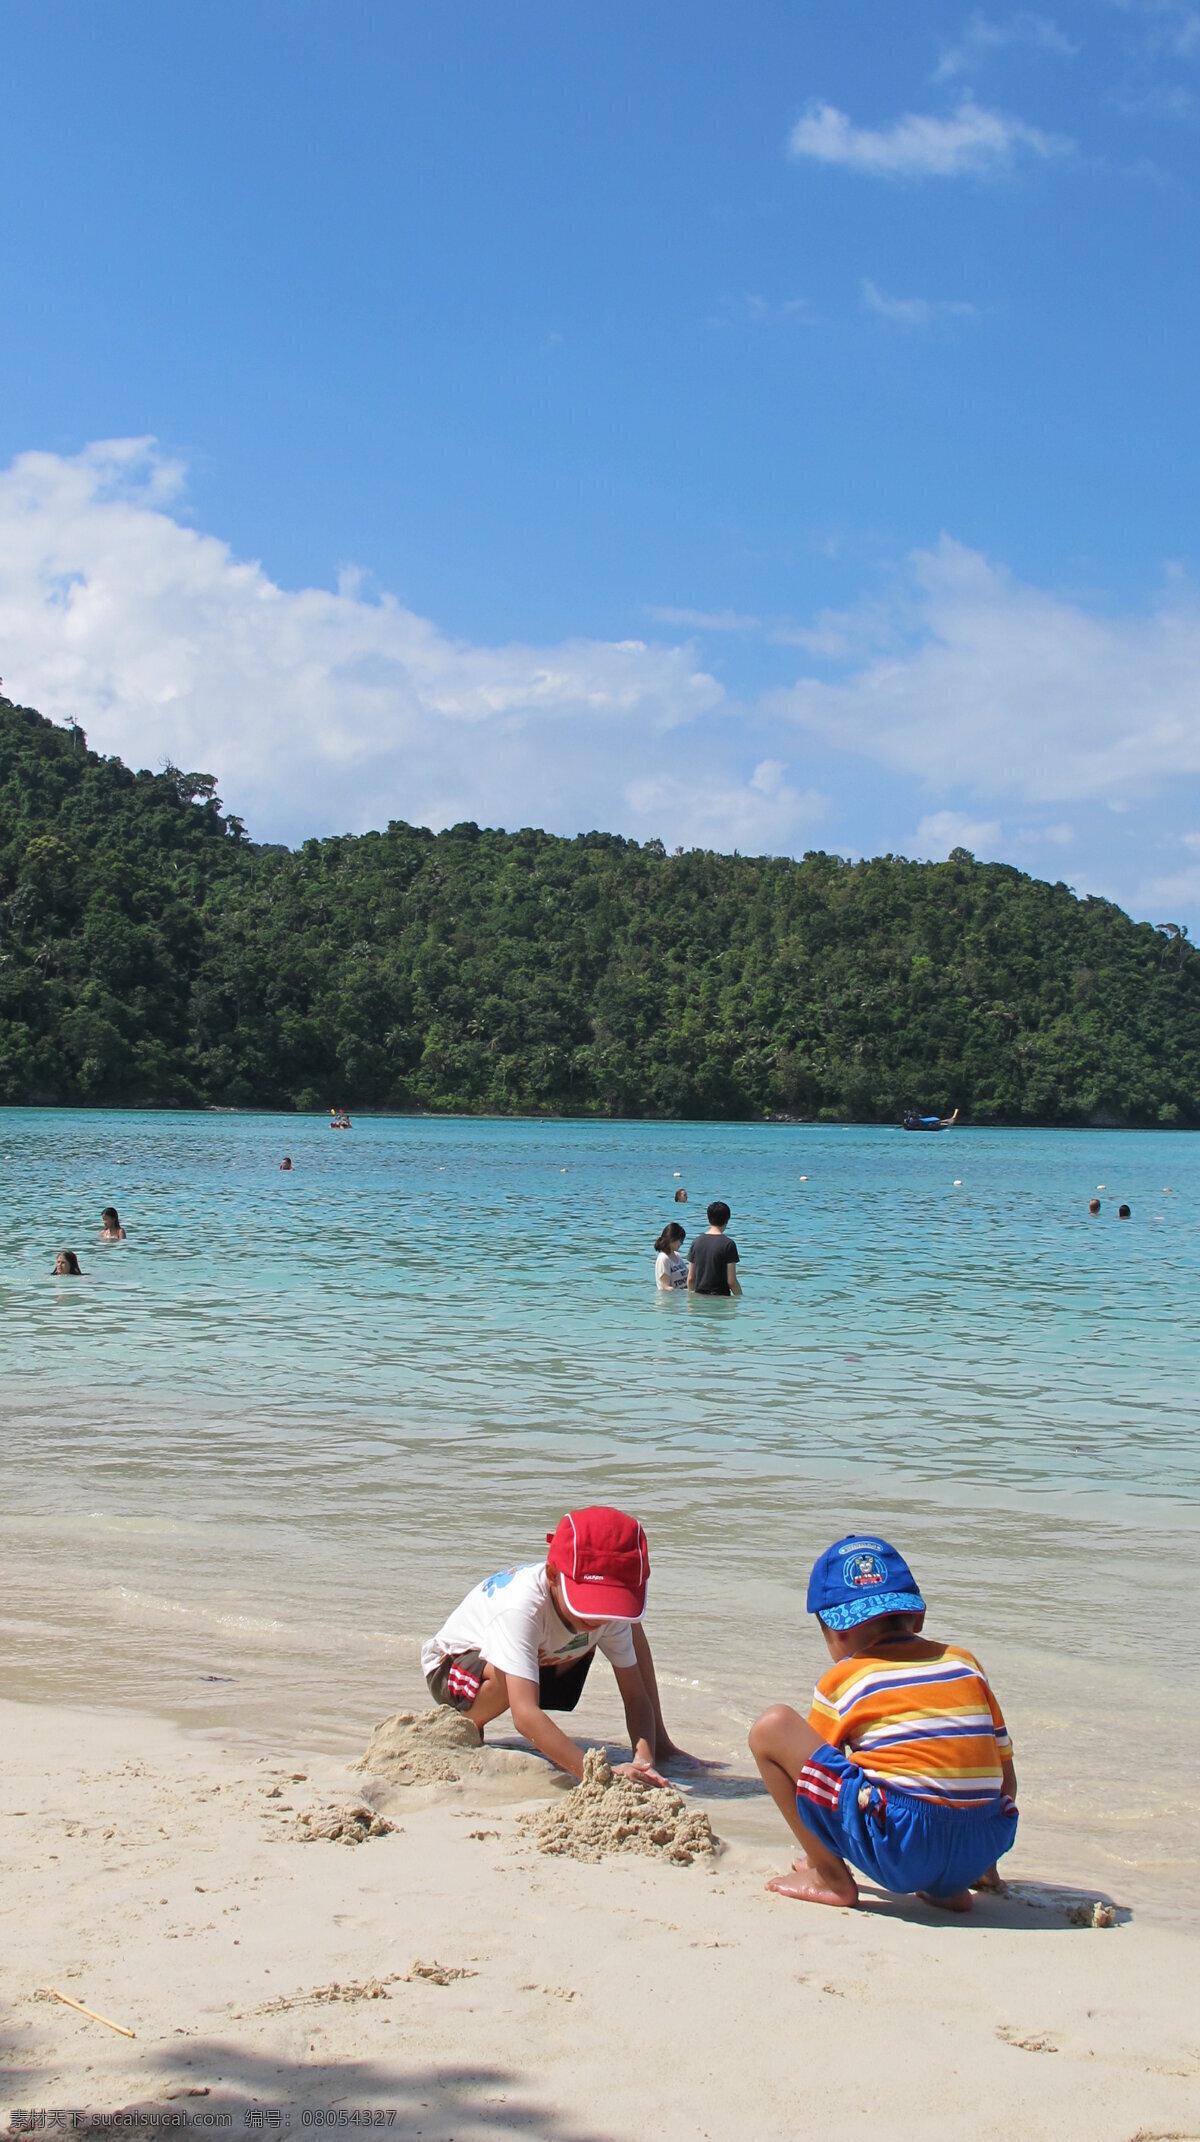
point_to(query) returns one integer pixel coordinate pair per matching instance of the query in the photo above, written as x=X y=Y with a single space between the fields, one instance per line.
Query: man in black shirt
x=713 y=1257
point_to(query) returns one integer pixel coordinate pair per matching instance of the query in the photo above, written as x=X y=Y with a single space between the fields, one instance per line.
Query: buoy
x=562 y=1171
x=677 y=1173
x=958 y=1182
x=804 y=1178
x=1100 y=1186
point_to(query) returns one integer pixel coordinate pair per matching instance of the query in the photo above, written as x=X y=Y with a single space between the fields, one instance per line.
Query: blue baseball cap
x=858 y=1578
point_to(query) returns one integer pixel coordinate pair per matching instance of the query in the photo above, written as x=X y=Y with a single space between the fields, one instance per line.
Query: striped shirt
x=916 y=1715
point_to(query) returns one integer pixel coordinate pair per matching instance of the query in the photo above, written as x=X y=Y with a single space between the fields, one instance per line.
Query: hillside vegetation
x=150 y=952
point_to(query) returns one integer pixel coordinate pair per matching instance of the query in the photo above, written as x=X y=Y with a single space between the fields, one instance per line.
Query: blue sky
x=770 y=427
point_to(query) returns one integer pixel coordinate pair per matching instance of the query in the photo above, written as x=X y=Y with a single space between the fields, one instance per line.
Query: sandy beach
x=218 y=1587
x=156 y=1876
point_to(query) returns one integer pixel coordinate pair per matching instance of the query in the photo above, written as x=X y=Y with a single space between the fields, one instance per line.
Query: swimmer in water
x=66 y=1265
x=681 y=1197
x=1093 y=1204
x=1123 y=1212
x=111 y=1229
x=670 y=1269
x=286 y=1164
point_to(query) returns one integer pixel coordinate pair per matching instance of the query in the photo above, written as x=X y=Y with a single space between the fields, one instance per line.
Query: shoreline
x=160 y=1884
x=772 y=1121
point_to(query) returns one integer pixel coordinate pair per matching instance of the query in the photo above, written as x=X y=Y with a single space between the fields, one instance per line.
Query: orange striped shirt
x=917 y=1715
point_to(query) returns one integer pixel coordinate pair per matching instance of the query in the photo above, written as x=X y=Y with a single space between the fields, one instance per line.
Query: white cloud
x=912 y=311
x=969 y=140
x=982 y=37
x=317 y=710
x=1172 y=26
x=974 y=679
x=1171 y=893
x=944 y=830
x=979 y=698
x=1176 y=893
x=759 y=816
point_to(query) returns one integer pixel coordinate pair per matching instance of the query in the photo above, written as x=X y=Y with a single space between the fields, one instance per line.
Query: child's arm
x=665 y=1749
x=1008 y=1775
x=530 y=1719
x=662 y=1742
x=639 y=1718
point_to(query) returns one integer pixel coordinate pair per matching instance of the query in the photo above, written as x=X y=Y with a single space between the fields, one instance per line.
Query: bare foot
x=809 y=1887
x=991 y=1884
x=960 y=1902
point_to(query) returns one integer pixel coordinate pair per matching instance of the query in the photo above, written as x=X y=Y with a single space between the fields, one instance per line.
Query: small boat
x=913 y=1121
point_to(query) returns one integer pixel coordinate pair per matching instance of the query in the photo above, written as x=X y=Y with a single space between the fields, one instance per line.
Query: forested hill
x=150 y=952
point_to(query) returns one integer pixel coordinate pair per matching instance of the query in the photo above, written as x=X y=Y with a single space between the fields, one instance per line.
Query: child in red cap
x=523 y=1641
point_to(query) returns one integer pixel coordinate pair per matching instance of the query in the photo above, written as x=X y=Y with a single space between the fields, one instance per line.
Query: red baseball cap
x=603 y=1560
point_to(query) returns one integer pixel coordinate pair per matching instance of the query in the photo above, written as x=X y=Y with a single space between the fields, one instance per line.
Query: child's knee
x=766 y=1732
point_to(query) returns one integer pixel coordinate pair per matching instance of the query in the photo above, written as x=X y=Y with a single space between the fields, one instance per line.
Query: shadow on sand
x=1024 y=1907
x=437 y=2103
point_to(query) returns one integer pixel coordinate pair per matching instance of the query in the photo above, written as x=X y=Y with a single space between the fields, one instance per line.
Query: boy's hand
x=645 y=1773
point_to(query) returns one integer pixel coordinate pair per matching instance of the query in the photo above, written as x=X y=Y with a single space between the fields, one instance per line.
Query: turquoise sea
x=250 y=1459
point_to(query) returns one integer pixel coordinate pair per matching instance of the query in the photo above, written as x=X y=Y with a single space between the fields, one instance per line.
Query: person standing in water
x=713 y=1257
x=670 y=1269
x=111 y=1229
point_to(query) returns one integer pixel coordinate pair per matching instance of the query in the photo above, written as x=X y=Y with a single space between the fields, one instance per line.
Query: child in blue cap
x=904 y=1764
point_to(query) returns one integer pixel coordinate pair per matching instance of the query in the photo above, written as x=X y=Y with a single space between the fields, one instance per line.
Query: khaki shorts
x=456 y=1680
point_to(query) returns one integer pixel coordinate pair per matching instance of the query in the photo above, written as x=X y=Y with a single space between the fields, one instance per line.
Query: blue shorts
x=897 y=1840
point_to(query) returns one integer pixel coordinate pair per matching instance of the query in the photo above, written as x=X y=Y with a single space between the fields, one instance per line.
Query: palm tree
x=1175 y=939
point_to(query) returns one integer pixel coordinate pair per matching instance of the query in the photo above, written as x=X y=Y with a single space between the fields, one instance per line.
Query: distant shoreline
x=557 y=1115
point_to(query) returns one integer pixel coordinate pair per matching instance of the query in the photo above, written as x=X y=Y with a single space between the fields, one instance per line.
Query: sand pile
x=424 y=1748
x=341 y=1825
x=440 y=1747
x=607 y=1814
x=1097 y=1914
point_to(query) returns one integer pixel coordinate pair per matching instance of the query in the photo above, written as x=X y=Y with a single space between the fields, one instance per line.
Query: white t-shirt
x=669 y=1267
x=511 y=1621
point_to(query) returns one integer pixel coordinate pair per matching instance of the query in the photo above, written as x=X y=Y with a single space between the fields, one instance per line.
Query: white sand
x=147 y=1873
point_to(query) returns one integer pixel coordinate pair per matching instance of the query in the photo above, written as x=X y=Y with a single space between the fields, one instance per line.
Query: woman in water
x=66 y=1265
x=670 y=1270
x=111 y=1229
